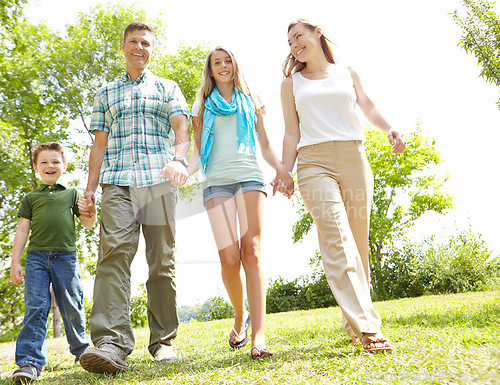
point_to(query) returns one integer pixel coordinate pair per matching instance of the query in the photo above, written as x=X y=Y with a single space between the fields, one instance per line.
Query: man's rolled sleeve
x=98 y=117
x=177 y=104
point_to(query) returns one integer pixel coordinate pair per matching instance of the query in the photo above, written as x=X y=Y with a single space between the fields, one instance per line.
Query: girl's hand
x=283 y=184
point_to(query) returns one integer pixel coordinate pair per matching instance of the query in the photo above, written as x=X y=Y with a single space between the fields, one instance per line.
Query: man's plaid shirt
x=137 y=117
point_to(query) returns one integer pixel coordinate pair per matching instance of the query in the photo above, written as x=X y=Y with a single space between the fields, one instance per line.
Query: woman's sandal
x=370 y=343
x=258 y=351
x=244 y=332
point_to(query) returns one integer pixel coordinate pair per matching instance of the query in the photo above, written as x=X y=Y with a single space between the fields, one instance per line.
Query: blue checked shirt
x=137 y=116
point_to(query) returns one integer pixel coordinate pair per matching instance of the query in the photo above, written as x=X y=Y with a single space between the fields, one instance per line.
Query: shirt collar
x=44 y=186
x=142 y=77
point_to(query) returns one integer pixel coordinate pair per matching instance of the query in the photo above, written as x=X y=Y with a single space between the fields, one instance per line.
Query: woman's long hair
x=292 y=65
x=209 y=84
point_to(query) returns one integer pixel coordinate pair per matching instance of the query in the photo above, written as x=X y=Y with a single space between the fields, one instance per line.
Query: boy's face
x=50 y=166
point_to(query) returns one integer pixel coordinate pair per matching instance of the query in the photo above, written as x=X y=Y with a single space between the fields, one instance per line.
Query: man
x=135 y=119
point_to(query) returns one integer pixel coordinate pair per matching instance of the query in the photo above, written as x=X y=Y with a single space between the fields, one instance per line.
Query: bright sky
x=407 y=56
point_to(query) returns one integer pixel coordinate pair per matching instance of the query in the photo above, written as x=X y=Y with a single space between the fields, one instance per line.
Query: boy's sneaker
x=103 y=360
x=25 y=374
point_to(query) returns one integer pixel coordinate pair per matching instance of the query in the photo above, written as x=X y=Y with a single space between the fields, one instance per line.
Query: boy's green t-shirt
x=51 y=210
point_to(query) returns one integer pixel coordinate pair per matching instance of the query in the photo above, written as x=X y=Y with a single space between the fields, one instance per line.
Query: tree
x=10 y=10
x=405 y=188
x=29 y=114
x=481 y=37
x=214 y=308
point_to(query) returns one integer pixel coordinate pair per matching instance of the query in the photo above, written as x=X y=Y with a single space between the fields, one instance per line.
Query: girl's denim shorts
x=231 y=190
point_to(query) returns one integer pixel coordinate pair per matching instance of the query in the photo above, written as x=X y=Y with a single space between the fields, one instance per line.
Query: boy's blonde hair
x=54 y=146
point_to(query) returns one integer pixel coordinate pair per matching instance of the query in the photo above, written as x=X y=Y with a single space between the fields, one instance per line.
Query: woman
x=226 y=119
x=318 y=97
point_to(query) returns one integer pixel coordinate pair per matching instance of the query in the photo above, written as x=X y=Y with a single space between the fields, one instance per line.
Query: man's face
x=138 y=48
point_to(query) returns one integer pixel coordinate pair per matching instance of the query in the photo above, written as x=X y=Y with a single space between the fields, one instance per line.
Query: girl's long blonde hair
x=208 y=85
x=292 y=65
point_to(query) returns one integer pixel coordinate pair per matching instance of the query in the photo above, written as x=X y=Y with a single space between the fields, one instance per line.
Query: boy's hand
x=16 y=274
x=86 y=209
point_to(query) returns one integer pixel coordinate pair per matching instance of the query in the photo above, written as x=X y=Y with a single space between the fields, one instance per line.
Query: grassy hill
x=447 y=339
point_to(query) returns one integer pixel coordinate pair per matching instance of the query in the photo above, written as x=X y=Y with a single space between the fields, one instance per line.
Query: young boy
x=48 y=212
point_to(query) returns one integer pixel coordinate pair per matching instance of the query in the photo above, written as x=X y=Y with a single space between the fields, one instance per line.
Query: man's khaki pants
x=124 y=210
x=336 y=184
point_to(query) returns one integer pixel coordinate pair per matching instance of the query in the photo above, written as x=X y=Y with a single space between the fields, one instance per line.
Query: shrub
x=303 y=293
x=215 y=308
x=139 y=307
x=461 y=263
x=11 y=308
x=285 y=295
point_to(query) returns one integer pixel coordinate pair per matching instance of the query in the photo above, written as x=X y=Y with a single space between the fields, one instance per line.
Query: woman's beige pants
x=336 y=184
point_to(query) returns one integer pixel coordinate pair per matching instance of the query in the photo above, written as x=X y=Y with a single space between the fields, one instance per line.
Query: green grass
x=443 y=339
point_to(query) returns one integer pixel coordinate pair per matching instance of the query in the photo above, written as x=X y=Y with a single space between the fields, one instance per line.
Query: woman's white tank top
x=326 y=107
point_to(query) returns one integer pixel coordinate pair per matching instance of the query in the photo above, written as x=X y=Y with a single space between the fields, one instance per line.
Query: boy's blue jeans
x=62 y=270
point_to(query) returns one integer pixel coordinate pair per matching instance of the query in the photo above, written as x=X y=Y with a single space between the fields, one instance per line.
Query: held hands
x=86 y=205
x=176 y=172
x=283 y=182
x=16 y=273
x=397 y=141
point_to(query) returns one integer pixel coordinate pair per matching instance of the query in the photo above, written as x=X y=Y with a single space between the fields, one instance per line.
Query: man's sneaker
x=165 y=355
x=103 y=360
x=25 y=374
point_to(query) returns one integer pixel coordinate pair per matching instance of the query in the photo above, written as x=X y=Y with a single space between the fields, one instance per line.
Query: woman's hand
x=397 y=141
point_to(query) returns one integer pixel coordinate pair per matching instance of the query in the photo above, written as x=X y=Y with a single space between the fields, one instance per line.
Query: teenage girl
x=227 y=119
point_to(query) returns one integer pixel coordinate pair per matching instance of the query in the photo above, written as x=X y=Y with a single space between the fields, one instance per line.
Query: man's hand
x=86 y=209
x=176 y=172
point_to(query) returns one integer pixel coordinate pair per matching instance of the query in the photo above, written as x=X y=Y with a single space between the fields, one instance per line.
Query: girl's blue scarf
x=216 y=105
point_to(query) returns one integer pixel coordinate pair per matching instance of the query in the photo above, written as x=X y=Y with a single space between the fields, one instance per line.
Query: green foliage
x=10 y=10
x=481 y=28
x=188 y=313
x=303 y=293
x=283 y=295
x=12 y=309
x=302 y=226
x=406 y=186
x=139 y=308
x=185 y=67
x=87 y=305
x=215 y=308
x=461 y=263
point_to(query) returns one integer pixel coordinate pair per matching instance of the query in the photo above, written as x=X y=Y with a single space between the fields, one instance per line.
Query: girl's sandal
x=244 y=334
x=258 y=351
x=370 y=344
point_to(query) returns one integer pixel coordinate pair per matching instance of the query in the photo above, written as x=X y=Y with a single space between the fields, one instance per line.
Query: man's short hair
x=137 y=25
x=54 y=146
